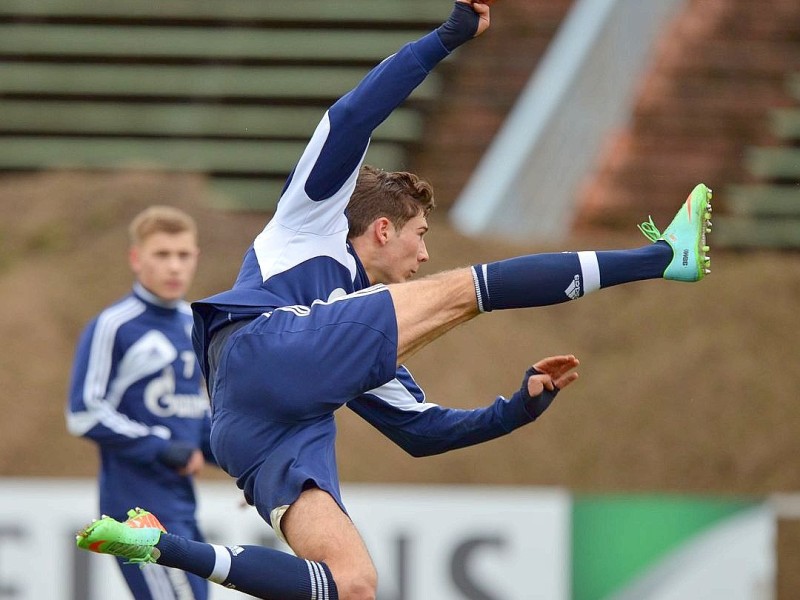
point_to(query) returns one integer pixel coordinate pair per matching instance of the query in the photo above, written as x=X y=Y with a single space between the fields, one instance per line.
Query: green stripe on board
x=616 y=538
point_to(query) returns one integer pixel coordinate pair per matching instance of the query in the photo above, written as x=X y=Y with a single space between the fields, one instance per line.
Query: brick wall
x=717 y=72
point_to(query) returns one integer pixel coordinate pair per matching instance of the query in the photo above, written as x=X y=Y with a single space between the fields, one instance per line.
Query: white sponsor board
x=449 y=543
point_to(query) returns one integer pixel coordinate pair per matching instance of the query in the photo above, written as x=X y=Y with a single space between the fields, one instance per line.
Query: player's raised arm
x=339 y=144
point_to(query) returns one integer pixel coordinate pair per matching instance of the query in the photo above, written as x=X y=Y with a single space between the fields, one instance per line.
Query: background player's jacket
x=137 y=391
x=302 y=257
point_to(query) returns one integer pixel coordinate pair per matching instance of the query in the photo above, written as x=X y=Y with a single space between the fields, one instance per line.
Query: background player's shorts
x=279 y=380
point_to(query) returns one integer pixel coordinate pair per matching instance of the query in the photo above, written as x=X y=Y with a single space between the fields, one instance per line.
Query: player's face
x=165 y=263
x=407 y=250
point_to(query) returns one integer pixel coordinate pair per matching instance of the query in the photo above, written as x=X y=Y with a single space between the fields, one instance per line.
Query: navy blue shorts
x=279 y=380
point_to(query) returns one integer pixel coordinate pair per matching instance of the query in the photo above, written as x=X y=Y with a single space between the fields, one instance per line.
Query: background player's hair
x=160 y=219
x=397 y=195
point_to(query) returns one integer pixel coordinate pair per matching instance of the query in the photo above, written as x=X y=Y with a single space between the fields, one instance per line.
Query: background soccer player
x=137 y=392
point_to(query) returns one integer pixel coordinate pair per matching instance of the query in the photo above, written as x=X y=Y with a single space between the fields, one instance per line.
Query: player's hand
x=552 y=373
x=468 y=20
x=194 y=465
x=482 y=9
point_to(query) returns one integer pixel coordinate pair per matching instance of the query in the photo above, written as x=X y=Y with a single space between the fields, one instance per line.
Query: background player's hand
x=554 y=372
x=194 y=465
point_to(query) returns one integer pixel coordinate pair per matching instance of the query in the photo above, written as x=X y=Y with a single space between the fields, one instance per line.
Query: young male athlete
x=324 y=312
x=137 y=392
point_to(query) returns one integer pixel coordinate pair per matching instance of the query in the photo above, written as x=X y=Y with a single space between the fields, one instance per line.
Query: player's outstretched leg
x=428 y=307
x=686 y=235
x=259 y=571
x=680 y=254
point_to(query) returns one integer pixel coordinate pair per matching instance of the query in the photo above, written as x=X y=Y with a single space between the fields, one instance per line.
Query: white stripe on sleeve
x=591 y=271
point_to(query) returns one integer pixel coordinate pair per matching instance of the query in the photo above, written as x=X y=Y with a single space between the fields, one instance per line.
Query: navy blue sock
x=256 y=570
x=553 y=278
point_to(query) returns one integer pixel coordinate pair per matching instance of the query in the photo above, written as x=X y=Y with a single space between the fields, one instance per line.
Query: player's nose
x=422 y=255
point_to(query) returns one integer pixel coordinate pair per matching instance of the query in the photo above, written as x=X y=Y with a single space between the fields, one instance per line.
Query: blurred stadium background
x=566 y=125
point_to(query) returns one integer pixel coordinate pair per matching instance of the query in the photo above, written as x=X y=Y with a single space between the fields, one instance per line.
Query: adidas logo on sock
x=573 y=292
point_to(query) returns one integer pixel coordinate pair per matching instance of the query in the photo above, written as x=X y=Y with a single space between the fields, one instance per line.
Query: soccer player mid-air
x=323 y=313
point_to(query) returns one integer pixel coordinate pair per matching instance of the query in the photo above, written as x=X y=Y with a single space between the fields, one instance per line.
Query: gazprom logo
x=161 y=400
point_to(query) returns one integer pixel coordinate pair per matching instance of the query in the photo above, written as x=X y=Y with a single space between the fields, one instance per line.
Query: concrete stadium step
x=337 y=12
x=763 y=200
x=187 y=120
x=785 y=124
x=159 y=43
x=748 y=233
x=306 y=84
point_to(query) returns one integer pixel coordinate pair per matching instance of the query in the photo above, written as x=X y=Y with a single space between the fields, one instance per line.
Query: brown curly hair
x=397 y=195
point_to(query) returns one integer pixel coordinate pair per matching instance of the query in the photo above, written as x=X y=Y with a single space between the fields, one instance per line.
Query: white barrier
x=427 y=541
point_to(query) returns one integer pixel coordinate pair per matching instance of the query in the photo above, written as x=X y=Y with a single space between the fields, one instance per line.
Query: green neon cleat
x=686 y=235
x=135 y=539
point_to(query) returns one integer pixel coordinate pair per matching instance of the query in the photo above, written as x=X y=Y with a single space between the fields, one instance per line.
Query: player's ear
x=382 y=228
x=133 y=259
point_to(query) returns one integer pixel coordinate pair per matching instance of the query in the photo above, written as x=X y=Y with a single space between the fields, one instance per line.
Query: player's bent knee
x=361 y=587
x=356 y=583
